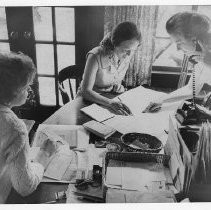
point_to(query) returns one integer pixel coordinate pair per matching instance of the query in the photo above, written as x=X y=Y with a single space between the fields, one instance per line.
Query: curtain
x=145 y=17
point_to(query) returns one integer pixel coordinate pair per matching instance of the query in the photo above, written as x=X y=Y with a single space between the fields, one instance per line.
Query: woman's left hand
x=153 y=107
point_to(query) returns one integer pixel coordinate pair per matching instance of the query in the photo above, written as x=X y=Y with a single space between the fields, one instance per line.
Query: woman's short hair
x=122 y=32
x=16 y=71
x=189 y=24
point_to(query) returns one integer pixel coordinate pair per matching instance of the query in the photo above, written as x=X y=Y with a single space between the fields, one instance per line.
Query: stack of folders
x=99 y=129
x=203 y=157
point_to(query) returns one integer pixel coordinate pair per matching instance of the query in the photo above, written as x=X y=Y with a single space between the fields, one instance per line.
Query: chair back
x=67 y=74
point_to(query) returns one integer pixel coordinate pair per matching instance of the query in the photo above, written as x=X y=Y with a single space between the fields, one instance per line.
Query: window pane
x=206 y=10
x=3 y=24
x=160 y=46
x=4 y=47
x=45 y=59
x=165 y=12
x=47 y=90
x=170 y=57
x=65 y=24
x=66 y=56
x=42 y=17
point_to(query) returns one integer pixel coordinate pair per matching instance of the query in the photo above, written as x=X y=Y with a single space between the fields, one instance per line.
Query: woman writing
x=106 y=67
x=190 y=32
x=16 y=169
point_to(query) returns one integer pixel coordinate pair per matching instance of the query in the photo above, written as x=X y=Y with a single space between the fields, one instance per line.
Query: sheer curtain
x=145 y=17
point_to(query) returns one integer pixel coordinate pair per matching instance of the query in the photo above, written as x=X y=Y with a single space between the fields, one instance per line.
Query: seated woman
x=16 y=170
x=190 y=32
x=106 y=67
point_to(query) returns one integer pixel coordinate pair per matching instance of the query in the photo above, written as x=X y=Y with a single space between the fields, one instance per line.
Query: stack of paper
x=145 y=176
x=203 y=156
x=180 y=163
x=99 y=129
x=125 y=196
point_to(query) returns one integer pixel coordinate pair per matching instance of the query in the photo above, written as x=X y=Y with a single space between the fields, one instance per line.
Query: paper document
x=138 y=99
x=135 y=175
x=29 y=124
x=99 y=129
x=97 y=112
x=74 y=135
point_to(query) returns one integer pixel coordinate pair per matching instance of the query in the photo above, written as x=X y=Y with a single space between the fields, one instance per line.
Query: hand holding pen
x=119 y=108
x=125 y=107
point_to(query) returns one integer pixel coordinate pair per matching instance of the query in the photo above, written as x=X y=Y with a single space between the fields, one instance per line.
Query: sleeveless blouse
x=109 y=75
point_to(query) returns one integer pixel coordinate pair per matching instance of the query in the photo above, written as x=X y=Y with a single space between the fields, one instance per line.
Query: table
x=45 y=192
x=69 y=114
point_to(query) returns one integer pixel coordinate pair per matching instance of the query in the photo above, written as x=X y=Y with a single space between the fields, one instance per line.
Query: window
x=4 y=41
x=166 y=53
x=54 y=31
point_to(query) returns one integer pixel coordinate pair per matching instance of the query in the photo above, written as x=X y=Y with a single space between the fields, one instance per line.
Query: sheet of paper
x=146 y=197
x=57 y=167
x=95 y=155
x=142 y=97
x=29 y=124
x=74 y=135
x=97 y=112
x=114 y=173
x=143 y=175
x=60 y=163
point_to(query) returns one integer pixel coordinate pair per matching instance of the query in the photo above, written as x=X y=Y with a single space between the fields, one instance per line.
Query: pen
x=119 y=99
x=166 y=131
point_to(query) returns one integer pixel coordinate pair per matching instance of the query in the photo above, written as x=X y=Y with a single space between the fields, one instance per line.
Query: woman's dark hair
x=189 y=25
x=122 y=32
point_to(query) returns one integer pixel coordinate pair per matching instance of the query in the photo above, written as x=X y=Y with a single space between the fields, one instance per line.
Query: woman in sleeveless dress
x=106 y=67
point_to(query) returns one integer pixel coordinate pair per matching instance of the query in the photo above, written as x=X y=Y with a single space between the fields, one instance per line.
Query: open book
x=65 y=164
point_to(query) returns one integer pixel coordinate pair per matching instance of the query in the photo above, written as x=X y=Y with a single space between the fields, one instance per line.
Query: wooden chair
x=68 y=73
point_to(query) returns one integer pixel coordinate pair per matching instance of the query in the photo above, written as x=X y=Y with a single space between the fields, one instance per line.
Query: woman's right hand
x=119 y=108
x=47 y=150
x=50 y=147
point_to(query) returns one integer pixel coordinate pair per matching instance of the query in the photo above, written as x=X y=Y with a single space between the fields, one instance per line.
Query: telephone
x=190 y=112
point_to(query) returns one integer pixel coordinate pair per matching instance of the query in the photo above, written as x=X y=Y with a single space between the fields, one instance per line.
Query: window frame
x=55 y=43
x=171 y=69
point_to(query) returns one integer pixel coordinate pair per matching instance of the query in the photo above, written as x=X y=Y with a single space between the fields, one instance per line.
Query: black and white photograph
x=105 y=104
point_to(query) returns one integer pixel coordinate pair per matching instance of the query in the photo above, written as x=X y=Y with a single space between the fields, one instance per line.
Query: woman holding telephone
x=191 y=33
